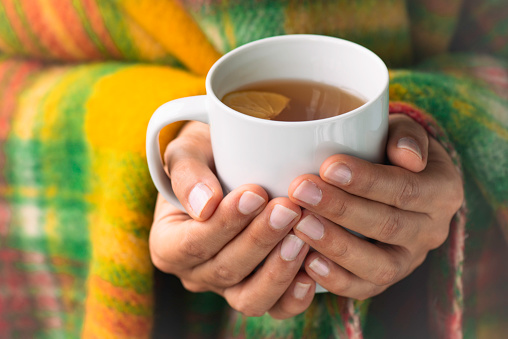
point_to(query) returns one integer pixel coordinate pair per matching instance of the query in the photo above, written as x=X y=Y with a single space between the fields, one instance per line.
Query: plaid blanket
x=79 y=80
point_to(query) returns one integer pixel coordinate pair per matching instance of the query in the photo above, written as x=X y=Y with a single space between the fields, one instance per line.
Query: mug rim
x=210 y=93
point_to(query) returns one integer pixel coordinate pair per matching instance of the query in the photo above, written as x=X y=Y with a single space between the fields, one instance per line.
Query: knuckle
x=438 y=236
x=390 y=227
x=224 y=276
x=193 y=286
x=191 y=248
x=282 y=313
x=410 y=192
x=247 y=308
x=342 y=287
x=159 y=260
x=368 y=183
x=341 y=249
x=160 y=263
x=261 y=242
x=387 y=274
x=284 y=309
x=177 y=161
x=341 y=209
x=278 y=278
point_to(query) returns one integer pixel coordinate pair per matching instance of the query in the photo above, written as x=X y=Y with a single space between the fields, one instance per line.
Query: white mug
x=249 y=150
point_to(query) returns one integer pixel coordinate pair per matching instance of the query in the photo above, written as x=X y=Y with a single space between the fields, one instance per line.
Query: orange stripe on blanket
x=5 y=67
x=104 y=322
x=20 y=30
x=73 y=29
x=33 y=10
x=44 y=19
x=121 y=294
x=99 y=28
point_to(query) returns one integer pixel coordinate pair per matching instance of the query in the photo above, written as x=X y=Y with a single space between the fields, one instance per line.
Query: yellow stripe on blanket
x=29 y=103
x=487 y=121
x=122 y=195
x=118 y=244
x=121 y=104
x=59 y=96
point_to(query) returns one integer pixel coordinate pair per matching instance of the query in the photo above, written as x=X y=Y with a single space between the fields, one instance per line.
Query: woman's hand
x=407 y=212
x=219 y=246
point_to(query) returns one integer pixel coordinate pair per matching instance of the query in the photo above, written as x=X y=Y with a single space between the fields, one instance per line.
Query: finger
x=396 y=186
x=338 y=280
x=407 y=144
x=257 y=294
x=379 y=264
x=182 y=243
x=370 y=218
x=164 y=216
x=248 y=249
x=296 y=299
x=190 y=164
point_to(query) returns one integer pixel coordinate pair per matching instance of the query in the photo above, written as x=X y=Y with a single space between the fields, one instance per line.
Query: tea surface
x=308 y=100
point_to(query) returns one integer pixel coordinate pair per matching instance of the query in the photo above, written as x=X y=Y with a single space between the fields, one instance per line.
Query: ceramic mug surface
x=273 y=153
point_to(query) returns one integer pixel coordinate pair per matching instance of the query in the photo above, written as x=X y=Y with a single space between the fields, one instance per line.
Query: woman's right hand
x=219 y=245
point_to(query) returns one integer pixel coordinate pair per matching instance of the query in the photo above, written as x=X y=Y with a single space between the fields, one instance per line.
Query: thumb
x=189 y=161
x=408 y=143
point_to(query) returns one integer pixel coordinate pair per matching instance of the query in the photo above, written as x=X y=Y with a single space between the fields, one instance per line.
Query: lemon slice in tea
x=264 y=105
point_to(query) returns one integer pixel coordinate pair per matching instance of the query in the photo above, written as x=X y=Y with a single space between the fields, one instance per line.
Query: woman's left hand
x=406 y=210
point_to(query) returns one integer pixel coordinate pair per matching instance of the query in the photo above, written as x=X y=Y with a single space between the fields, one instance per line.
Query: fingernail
x=199 y=197
x=311 y=227
x=281 y=216
x=320 y=266
x=249 y=202
x=338 y=172
x=308 y=192
x=291 y=246
x=411 y=145
x=300 y=290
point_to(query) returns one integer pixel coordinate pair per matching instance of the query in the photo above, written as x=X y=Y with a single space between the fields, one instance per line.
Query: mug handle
x=189 y=108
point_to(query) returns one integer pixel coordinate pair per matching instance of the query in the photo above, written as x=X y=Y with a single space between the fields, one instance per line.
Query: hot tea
x=292 y=100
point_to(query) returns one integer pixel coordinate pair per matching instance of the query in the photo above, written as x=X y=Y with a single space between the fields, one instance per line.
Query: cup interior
x=329 y=60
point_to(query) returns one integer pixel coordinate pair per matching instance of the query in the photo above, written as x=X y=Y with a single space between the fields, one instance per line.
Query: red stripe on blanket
x=494 y=75
x=97 y=23
x=45 y=29
x=29 y=45
x=16 y=307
